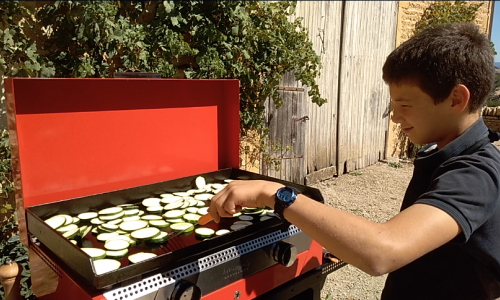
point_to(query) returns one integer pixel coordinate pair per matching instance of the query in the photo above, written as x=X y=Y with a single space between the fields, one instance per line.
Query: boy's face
x=420 y=118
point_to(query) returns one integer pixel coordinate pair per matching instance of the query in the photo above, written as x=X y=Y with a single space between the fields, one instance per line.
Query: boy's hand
x=242 y=193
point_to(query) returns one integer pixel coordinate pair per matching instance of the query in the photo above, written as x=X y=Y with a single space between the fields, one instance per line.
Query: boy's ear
x=460 y=97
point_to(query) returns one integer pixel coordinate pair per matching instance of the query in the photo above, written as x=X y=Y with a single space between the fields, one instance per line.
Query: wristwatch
x=285 y=197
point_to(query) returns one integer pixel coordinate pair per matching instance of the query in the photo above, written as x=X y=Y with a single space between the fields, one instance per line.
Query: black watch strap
x=279 y=205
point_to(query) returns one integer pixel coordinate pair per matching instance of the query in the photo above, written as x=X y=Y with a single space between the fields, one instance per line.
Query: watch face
x=285 y=194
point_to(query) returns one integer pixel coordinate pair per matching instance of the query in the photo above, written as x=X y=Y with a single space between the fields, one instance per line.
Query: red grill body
x=75 y=141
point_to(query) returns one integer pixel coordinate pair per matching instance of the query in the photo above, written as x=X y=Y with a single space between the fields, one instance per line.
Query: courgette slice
x=87 y=216
x=246 y=223
x=110 y=227
x=145 y=233
x=200 y=203
x=131 y=212
x=83 y=233
x=151 y=202
x=203 y=197
x=76 y=220
x=112 y=217
x=270 y=213
x=71 y=234
x=202 y=211
x=185 y=204
x=163 y=236
x=106 y=236
x=166 y=195
x=238 y=226
x=192 y=210
x=116 y=254
x=191 y=218
x=245 y=218
x=73 y=242
x=168 y=200
x=173 y=214
x=140 y=256
x=97 y=221
x=222 y=232
x=106 y=265
x=133 y=225
x=263 y=218
x=182 y=194
x=56 y=221
x=132 y=218
x=185 y=227
x=159 y=223
x=154 y=209
x=151 y=217
x=67 y=228
x=178 y=220
x=114 y=222
x=110 y=211
x=200 y=182
x=94 y=253
x=115 y=245
x=174 y=205
x=192 y=202
x=204 y=232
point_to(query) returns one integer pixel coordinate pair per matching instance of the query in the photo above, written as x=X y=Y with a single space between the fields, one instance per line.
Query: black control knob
x=185 y=290
x=284 y=253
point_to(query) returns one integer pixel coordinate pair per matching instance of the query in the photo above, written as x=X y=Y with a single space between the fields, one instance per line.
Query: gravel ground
x=374 y=193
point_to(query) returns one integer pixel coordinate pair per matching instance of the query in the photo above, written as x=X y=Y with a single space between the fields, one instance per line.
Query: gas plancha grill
x=81 y=145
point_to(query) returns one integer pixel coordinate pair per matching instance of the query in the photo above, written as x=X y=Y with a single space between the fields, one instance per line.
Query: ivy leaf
x=235 y=29
x=174 y=21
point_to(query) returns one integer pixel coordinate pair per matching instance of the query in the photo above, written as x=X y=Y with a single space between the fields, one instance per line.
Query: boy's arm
x=374 y=248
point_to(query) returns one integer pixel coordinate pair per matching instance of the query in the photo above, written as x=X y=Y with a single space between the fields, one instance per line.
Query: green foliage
x=12 y=249
x=253 y=41
x=395 y=165
x=494 y=99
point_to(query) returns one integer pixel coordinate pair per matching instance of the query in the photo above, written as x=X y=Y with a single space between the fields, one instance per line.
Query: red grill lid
x=77 y=137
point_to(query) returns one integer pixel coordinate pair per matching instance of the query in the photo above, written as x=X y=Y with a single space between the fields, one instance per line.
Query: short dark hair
x=442 y=56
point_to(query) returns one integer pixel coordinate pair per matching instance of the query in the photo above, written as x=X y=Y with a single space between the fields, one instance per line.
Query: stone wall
x=491 y=117
x=409 y=14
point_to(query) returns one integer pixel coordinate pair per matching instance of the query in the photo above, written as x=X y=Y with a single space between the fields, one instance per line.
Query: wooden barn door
x=287 y=127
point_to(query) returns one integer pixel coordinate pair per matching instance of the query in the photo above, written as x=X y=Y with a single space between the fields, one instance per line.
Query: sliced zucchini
x=192 y=210
x=73 y=242
x=200 y=182
x=173 y=214
x=69 y=219
x=67 y=228
x=151 y=217
x=151 y=202
x=112 y=217
x=263 y=218
x=110 y=227
x=179 y=227
x=203 y=197
x=218 y=186
x=94 y=230
x=222 y=232
x=71 y=234
x=87 y=216
x=204 y=232
x=145 y=233
x=114 y=222
x=245 y=218
x=132 y=218
x=154 y=209
x=131 y=212
x=182 y=194
x=246 y=223
x=202 y=211
x=106 y=236
x=166 y=195
x=238 y=226
x=237 y=214
x=163 y=236
x=200 y=203
x=140 y=256
x=56 y=221
x=116 y=254
x=271 y=213
x=110 y=211
x=198 y=191
x=96 y=221
x=174 y=205
x=106 y=265
x=178 y=220
x=191 y=218
x=192 y=202
x=95 y=253
x=115 y=245
x=168 y=200
x=185 y=204
x=76 y=220
x=133 y=225
x=86 y=231
x=159 y=223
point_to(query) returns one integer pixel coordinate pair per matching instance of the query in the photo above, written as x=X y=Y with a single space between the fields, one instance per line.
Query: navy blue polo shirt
x=462 y=179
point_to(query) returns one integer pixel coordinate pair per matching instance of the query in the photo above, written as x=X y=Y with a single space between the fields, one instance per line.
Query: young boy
x=445 y=242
